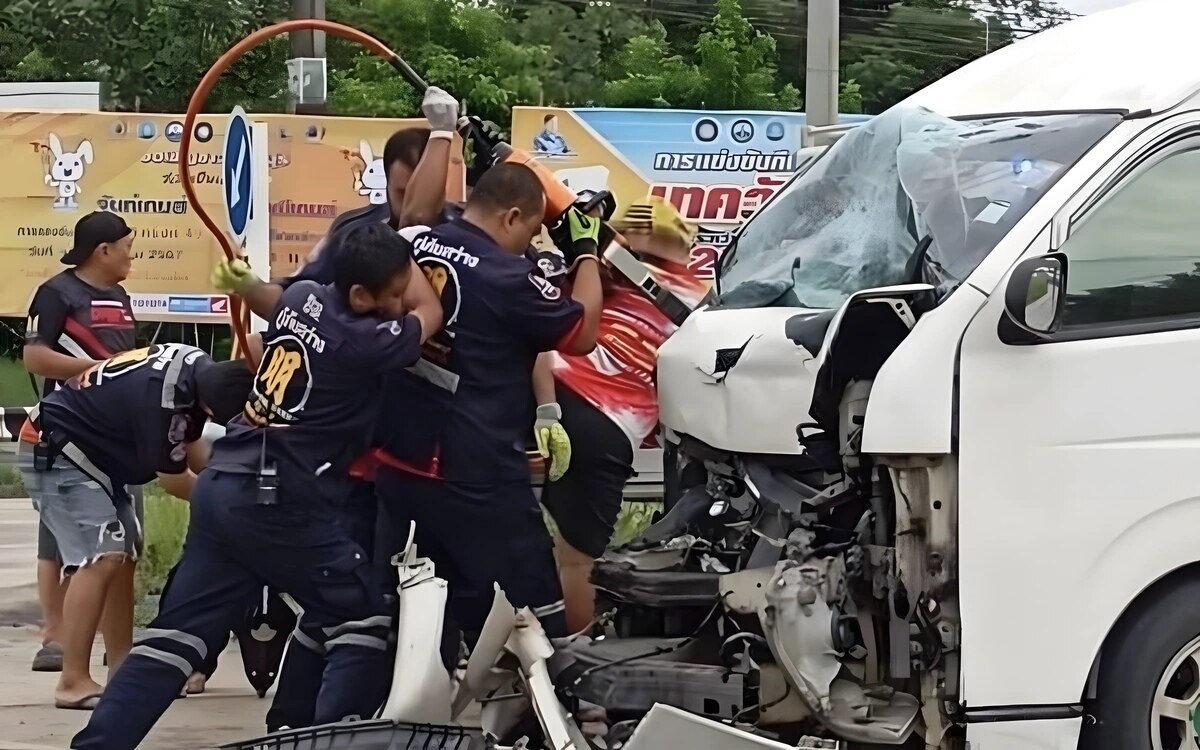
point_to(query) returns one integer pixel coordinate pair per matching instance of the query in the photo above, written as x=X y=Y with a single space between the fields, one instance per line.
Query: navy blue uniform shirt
x=132 y=414
x=549 y=264
x=316 y=392
x=468 y=400
x=320 y=269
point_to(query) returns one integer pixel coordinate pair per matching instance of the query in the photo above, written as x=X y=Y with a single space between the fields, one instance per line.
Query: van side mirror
x=1033 y=299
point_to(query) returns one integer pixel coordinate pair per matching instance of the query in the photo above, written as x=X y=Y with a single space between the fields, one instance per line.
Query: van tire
x=1147 y=638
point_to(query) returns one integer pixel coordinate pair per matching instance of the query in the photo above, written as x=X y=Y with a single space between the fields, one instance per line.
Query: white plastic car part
x=665 y=727
x=515 y=633
x=420 y=691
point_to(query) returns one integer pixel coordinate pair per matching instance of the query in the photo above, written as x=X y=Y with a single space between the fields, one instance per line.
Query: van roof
x=1137 y=57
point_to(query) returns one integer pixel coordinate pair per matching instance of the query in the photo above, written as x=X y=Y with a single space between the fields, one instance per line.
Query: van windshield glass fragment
x=856 y=218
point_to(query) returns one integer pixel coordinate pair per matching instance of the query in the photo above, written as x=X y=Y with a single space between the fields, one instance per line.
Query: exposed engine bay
x=770 y=594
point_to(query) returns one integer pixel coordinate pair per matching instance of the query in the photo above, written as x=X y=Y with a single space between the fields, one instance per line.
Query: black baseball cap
x=94 y=230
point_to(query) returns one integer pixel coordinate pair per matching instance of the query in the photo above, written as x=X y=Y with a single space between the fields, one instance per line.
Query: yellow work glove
x=654 y=226
x=233 y=277
x=552 y=441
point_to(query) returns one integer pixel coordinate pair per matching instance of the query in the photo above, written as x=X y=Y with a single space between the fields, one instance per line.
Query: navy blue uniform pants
x=234 y=547
x=304 y=662
x=477 y=537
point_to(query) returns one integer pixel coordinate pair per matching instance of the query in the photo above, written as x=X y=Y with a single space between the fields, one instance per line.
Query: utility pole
x=308 y=44
x=821 y=75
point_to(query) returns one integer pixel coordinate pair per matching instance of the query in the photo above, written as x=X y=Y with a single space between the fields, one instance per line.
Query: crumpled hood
x=733 y=379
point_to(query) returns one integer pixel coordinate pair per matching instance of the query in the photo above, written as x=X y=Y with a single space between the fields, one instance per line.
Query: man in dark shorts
x=459 y=469
x=269 y=509
x=607 y=400
x=125 y=421
x=77 y=318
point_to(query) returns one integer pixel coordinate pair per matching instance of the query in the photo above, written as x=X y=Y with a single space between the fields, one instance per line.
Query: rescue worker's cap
x=92 y=231
x=223 y=387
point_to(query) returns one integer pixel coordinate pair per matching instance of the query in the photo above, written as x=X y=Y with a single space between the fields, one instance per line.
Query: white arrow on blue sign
x=239 y=174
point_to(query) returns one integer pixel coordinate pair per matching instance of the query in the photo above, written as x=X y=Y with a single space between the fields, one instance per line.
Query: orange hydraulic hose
x=239 y=316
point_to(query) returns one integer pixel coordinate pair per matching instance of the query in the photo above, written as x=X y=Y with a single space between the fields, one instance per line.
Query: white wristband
x=441 y=135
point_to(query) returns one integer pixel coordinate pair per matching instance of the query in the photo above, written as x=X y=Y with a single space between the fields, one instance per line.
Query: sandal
x=49 y=658
x=86 y=703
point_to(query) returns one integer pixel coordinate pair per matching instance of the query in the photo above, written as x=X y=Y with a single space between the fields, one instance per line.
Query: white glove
x=441 y=110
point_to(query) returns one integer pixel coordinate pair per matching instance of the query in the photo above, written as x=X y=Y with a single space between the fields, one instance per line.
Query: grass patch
x=15 y=388
x=11 y=484
x=165 y=529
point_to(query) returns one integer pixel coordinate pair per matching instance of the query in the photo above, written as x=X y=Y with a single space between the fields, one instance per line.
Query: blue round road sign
x=238 y=173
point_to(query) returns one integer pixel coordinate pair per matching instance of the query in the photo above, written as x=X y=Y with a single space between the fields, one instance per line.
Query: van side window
x=1136 y=256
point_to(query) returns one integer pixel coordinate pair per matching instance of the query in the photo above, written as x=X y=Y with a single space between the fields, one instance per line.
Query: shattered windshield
x=909 y=197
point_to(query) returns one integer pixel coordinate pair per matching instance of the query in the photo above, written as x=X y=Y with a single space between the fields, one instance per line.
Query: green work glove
x=233 y=276
x=577 y=235
x=552 y=440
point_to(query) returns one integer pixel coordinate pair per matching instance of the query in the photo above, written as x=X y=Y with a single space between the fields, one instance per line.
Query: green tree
x=493 y=55
x=917 y=43
x=738 y=64
x=580 y=46
x=1028 y=16
x=732 y=66
x=850 y=99
x=467 y=49
x=153 y=52
x=653 y=75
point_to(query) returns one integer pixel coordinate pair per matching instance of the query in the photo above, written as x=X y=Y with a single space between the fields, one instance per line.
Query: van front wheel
x=1148 y=690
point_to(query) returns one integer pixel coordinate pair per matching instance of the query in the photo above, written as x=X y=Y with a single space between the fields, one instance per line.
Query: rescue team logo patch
x=282 y=383
x=157 y=356
x=443 y=277
x=545 y=288
x=119 y=365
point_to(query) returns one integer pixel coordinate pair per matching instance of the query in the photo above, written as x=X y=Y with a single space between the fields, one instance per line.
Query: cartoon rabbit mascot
x=374 y=177
x=67 y=171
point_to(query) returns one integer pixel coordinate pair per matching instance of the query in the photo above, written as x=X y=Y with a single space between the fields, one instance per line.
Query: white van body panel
x=1139 y=57
x=1062 y=734
x=912 y=398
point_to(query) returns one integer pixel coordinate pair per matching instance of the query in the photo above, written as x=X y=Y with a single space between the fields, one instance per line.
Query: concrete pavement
x=18 y=549
x=228 y=711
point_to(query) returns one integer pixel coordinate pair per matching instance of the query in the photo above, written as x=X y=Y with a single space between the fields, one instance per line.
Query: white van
x=1027 y=233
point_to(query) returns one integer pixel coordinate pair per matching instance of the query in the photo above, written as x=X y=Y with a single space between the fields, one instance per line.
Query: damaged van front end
x=805 y=580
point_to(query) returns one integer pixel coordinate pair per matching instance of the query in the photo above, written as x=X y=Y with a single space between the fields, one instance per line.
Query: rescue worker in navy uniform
x=416 y=161
x=459 y=469
x=267 y=510
x=124 y=421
